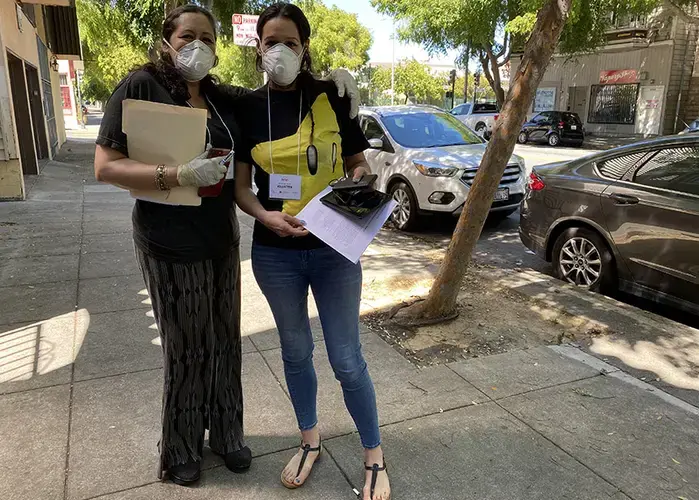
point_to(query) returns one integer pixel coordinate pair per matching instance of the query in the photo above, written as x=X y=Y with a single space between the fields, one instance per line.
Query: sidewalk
x=81 y=382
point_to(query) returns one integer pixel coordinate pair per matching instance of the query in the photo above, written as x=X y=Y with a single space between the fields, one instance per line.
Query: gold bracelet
x=160 y=182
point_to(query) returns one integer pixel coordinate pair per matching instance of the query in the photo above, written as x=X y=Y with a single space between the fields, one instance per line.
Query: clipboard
x=163 y=134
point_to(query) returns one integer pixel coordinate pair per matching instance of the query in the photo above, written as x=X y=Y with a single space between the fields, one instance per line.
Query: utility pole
x=466 y=60
x=452 y=75
x=476 y=84
x=393 y=67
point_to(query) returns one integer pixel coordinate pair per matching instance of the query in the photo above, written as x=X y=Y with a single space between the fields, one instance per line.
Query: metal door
x=49 y=111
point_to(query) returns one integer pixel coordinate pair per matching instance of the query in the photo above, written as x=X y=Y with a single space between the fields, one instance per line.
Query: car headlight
x=435 y=169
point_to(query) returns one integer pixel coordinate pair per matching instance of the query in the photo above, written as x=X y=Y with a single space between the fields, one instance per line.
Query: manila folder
x=162 y=134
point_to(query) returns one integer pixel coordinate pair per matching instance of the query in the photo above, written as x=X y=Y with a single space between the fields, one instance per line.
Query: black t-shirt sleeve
x=353 y=139
x=138 y=85
x=242 y=110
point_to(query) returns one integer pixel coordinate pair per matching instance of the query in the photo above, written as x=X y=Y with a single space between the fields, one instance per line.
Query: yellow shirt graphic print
x=285 y=154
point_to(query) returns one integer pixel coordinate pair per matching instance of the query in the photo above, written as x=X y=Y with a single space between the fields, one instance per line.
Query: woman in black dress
x=189 y=256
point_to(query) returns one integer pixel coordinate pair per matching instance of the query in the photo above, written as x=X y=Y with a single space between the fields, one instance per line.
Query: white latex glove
x=346 y=85
x=201 y=171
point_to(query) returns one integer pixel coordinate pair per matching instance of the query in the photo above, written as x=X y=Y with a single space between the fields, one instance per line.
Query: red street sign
x=616 y=76
x=237 y=19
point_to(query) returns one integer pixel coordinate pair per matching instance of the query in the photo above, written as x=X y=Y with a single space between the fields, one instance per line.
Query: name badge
x=284 y=187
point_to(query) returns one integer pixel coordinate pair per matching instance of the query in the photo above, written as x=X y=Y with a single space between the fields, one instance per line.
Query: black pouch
x=356 y=203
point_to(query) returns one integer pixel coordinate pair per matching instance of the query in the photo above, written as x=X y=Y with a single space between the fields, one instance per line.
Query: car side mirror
x=376 y=143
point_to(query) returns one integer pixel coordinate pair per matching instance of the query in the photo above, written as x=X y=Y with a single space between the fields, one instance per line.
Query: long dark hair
x=162 y=67
x=294 y=14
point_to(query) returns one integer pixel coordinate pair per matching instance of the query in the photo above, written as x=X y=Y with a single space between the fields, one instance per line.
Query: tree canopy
x=117 y=36
x=414 y=83
x=493 y=27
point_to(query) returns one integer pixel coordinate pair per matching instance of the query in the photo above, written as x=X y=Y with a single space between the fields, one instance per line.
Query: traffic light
x=452 y=76
x=477 y=79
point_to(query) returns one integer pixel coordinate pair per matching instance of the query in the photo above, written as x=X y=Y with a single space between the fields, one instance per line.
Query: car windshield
x=429 y=130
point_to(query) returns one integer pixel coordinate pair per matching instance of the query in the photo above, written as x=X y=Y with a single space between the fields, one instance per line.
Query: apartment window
x=63 y=79
x=613 y=104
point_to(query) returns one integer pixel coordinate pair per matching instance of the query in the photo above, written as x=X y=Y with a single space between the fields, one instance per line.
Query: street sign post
x=245 y=30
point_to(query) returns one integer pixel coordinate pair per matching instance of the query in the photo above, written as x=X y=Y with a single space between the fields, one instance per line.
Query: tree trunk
x=491 y=70
x=441 y=301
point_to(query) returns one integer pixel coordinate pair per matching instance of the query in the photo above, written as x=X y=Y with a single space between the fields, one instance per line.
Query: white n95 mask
x=281 y=64
x=194 y=60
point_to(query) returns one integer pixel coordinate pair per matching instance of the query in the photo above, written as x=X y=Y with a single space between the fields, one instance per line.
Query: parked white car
x=427 y=160
x=480 y=117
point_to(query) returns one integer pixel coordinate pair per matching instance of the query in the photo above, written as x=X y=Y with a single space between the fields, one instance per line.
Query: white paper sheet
x=164 y=134
x=349 y=237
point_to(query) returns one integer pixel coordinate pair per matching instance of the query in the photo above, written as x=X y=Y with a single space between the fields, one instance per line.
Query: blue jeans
x=284 y=276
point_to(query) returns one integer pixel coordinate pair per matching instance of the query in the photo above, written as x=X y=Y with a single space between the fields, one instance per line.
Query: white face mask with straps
x=194 y=60
x=282 y=64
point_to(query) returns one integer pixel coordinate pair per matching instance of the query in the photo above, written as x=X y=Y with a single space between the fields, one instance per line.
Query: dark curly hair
x=162 y=66
x=293 y=13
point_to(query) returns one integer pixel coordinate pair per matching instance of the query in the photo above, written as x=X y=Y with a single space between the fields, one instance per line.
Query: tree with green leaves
x=339 y=39
x=492 y=28
x=117 y=35
x=441 y=303
x=413 y=81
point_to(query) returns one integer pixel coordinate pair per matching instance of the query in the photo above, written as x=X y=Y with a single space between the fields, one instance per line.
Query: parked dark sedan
x=553 y=128
x=626 y=218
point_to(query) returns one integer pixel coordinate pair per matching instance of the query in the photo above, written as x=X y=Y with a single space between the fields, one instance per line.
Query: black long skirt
x=197 y=310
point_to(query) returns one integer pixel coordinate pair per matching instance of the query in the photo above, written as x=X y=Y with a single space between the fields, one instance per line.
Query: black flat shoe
x=185 y=474
x=238 y=461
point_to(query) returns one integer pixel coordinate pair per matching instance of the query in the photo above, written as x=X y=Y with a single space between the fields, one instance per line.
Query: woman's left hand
x=347 y=85
x=360 y=172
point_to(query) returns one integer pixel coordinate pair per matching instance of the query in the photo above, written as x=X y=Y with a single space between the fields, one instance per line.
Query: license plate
x=573 y=127
x=502 y=194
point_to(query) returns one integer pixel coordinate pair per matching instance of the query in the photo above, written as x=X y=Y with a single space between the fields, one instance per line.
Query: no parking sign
x=245 y=30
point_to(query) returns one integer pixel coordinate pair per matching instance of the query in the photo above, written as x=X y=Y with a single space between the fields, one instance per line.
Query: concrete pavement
x=80 y=387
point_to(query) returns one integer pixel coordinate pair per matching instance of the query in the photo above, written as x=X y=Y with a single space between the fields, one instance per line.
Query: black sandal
x=306 y=450
x=375 y=469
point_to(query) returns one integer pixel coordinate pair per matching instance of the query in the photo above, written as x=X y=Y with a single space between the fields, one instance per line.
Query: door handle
x=624 y=199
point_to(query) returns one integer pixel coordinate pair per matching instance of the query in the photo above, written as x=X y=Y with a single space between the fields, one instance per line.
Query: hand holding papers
x=349 y=237
x=161 y=134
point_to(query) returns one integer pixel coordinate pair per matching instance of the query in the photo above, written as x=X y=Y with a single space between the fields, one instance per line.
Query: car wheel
x=481 y=129
x=522 y=138
x=554 y=140
x=581 y=257
x=405 y=215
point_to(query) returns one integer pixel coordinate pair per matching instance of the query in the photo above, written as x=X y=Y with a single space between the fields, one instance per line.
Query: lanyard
x=209 y=138
x=269 y=118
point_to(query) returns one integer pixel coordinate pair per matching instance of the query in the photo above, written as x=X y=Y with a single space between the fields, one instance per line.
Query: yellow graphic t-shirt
x=325 y=124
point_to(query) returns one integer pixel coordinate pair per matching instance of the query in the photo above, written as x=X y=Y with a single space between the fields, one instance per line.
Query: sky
x=381 y=28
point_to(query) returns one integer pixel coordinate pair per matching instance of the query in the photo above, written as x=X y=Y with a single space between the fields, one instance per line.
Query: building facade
x=644 y=81
x=33 y=37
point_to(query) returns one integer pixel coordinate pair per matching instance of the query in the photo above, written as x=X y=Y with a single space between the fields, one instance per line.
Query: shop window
x=613 y=104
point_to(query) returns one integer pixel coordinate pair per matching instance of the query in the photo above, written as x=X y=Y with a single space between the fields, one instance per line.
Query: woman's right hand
x=283 y=225
x=201 y=172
